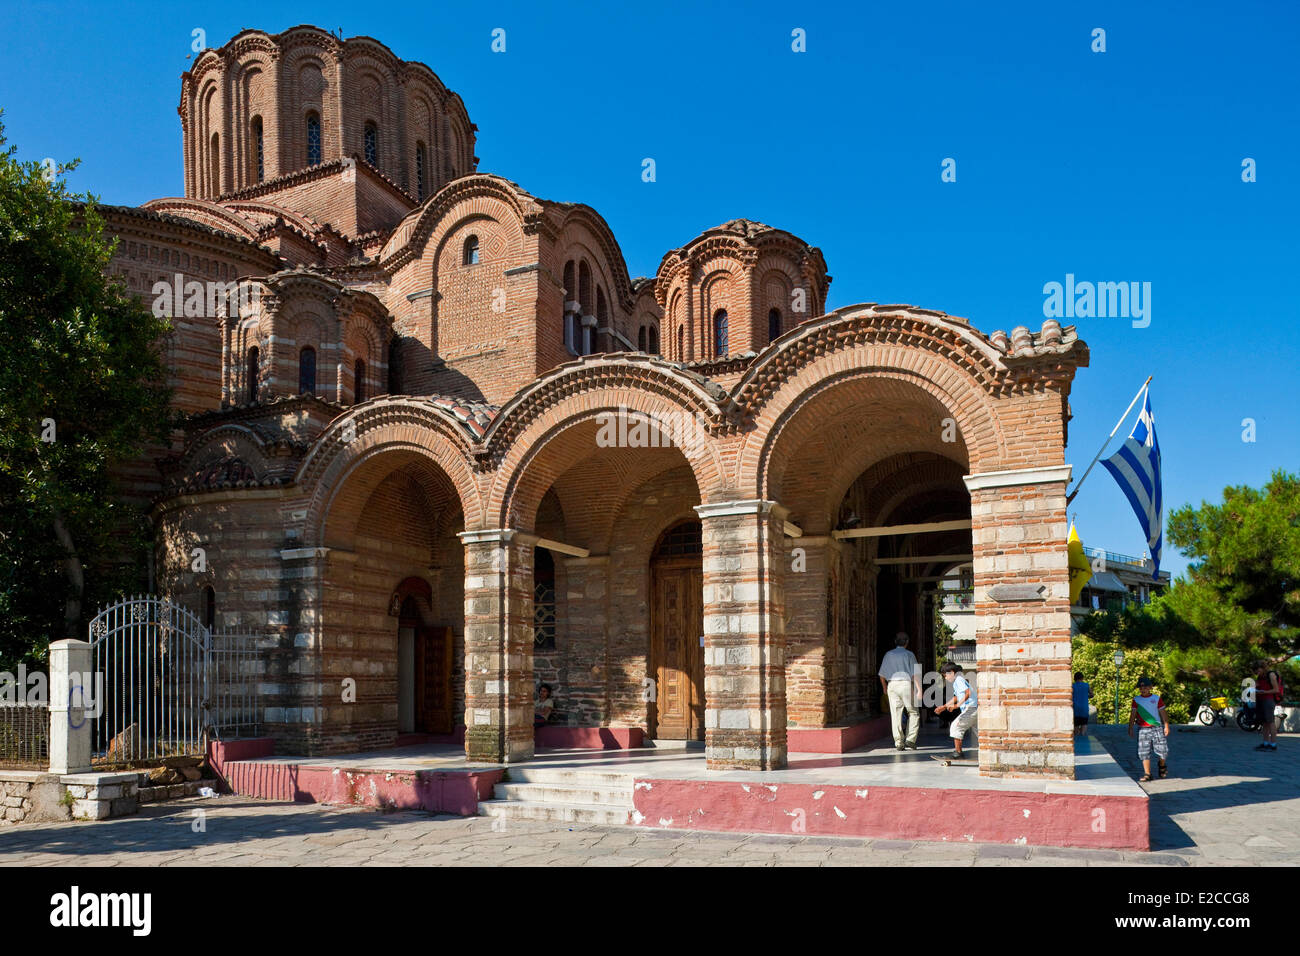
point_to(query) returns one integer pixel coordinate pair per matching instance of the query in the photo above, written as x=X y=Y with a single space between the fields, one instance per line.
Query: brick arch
x=477 y=196
x=838 y=429
x=560 y=445
x=384 y=426
x=574 y=395
x=352 y=504
x=946 y=361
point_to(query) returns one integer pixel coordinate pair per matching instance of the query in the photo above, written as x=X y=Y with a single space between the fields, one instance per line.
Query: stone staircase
x=561 y=796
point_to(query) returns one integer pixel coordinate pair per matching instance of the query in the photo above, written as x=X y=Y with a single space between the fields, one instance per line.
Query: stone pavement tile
x=1073 y=853
x=892 y=844
x=993 y=851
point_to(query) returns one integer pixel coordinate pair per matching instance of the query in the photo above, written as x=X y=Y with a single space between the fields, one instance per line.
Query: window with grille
x=683 y=540
x=774 y=325
x=372 y=144
x=258 y=169
x=419 y=171
x=313 y=140
x=543 y=599
x=720 y=333
x=470 y=255
x=359 y=381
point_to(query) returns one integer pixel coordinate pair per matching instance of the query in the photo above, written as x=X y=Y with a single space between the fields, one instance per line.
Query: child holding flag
x=1149 y=714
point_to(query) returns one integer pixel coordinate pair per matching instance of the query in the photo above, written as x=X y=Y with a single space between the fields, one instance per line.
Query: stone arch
x=382 y=426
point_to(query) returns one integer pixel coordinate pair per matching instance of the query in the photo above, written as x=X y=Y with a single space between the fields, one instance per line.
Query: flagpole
x=1070 y=497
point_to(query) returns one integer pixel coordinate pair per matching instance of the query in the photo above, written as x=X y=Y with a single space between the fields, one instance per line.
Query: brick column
x=1022 y=621
x=498 y=645
x=809 y=673
x=744 y=635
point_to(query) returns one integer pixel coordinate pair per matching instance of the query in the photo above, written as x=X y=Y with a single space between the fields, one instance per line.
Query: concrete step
x=602 y=815
x=564 y=794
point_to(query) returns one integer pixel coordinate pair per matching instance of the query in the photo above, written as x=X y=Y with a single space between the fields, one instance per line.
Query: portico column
x=744 y=635
x=1022 y=621
x=498 y=646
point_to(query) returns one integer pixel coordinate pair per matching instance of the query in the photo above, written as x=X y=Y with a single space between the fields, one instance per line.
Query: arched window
x=307 y=369
x=214 y=164
x=720 y=333
x=570 y=290
x=584 y=287
x=653 y=340
x=774 y=325
x=469 y=256
x=252 y=371
x=359 y=381
x=313 y=140
x=372 y=144
x=641 y=339
x=681 y=343
x=209 y=607
x=258 y=169
x=420 y=159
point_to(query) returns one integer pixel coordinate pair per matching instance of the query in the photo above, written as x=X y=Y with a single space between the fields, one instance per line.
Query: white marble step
x=564 y=794
x=595 y=779
x=554 y=812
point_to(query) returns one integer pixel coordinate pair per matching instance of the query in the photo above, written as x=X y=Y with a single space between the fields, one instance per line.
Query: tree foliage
x=1240 y=601
x=83 y=367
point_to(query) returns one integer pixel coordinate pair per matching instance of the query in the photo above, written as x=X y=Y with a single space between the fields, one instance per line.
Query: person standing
x=964 y=702
x=1082 y=692
x=900 y=679
x=1148 y=713
x=1268 y=694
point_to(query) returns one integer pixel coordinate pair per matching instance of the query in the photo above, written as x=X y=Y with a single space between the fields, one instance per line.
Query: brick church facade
x=396 y=457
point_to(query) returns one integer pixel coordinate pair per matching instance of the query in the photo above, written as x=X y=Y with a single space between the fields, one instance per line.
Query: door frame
x=657 y=566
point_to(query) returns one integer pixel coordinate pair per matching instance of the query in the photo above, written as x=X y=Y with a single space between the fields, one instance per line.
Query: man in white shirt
x=900 y=679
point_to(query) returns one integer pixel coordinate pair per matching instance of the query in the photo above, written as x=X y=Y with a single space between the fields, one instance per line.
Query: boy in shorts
x=1149 y=714
x=964 y=702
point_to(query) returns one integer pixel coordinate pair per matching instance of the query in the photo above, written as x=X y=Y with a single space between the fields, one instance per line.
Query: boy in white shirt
x=963 y=700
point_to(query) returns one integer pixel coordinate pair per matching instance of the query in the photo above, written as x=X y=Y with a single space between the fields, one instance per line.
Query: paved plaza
x=1224 y=804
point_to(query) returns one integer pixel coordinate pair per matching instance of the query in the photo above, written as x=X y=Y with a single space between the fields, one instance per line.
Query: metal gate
x=162 y=682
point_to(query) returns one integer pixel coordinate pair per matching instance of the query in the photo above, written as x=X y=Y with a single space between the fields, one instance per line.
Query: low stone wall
x=29 y=796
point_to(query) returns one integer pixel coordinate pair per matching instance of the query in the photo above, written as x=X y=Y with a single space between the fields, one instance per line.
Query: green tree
x=82 y=388
x=1240 y=601
x=1096 y=659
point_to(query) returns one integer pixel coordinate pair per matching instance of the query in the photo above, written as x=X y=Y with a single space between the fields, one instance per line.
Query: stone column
x=744 y=635
x=1022 y=621
x=73 y=697
x=498 y=646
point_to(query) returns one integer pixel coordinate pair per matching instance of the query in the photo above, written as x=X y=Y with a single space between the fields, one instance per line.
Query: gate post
x=69 y=721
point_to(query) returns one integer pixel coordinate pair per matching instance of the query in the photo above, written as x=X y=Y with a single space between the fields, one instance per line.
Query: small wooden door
x=433 y=680
x=676 y=650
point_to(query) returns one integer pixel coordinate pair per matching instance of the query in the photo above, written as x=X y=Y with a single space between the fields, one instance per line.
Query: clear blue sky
x=1115 y=166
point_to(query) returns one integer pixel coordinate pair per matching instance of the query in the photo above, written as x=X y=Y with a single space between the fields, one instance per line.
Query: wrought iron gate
x=161 y=681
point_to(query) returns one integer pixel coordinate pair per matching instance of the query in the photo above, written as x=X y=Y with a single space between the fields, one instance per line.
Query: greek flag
x=1136 y=466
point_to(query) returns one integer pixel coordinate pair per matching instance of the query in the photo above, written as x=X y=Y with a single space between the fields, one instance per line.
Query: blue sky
x=1115 y=166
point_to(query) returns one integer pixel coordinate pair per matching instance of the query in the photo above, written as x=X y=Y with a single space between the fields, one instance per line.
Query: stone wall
x=36 y=797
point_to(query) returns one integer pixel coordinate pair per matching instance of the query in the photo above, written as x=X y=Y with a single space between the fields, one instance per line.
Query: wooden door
x=676 y=650
x=433 y=680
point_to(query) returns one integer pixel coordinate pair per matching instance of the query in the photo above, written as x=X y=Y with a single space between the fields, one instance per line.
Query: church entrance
x=676 y=635
x=424 y=700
